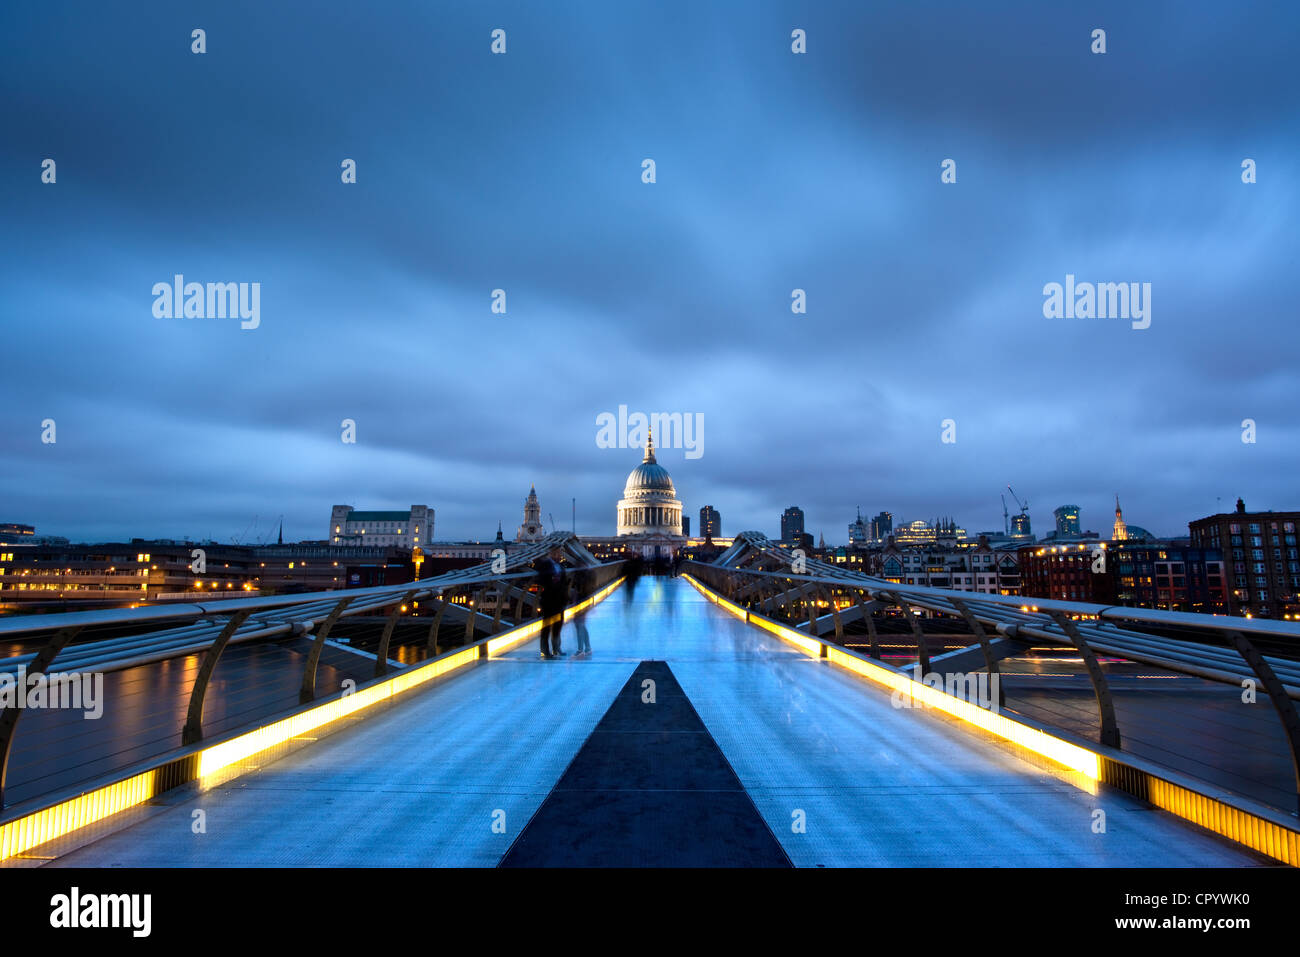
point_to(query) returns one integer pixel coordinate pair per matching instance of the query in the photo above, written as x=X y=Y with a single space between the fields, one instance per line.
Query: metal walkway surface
x=454 y=774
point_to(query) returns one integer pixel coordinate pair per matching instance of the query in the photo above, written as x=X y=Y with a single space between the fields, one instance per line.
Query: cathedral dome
x=649 y=504
x=649 y=476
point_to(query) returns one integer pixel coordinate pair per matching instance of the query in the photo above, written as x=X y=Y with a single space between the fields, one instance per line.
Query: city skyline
x=269 y=526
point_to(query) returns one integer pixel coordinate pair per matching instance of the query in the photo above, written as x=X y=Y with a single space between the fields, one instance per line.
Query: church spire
x=1120 y=532
x=649 y=446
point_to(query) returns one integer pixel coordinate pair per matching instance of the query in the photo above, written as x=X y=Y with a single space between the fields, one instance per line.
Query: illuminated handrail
x=1086 y=627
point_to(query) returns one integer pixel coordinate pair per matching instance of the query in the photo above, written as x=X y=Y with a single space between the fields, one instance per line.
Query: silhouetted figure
x=582 y=589
x=553 y=592
x=632 y=572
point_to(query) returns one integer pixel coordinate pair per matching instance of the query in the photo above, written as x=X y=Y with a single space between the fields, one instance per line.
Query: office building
x=791 y=523
x=1261 y=564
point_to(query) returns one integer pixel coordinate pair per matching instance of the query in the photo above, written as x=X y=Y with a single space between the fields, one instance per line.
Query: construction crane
x=1024 y=506
x=1006 y=516
x=251 y=527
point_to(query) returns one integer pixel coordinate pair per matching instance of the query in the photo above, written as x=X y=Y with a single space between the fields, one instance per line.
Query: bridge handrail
x=212 y=627
x=1085 y=626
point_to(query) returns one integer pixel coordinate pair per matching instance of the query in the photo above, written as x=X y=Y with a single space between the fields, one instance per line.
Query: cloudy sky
x=523 y=172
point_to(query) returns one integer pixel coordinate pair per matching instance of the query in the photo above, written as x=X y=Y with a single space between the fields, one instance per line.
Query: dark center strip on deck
x=649 y=788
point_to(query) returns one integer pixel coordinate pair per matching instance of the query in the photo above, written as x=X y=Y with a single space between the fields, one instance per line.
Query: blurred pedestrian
x=553 y=592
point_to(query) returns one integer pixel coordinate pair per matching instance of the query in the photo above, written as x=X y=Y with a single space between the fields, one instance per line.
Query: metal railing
x=762 y=576
x=481 y=596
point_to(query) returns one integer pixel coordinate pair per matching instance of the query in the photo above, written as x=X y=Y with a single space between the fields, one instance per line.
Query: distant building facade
x=1062 y=571
x=1067 y=521
x=919 y=532
x=791 y=523
x=1120 y=531
x=141 y=570
x=859 y=533
x=1139 y=574
x=531 y=529
x=710 y=522
x=1261 y=561
x=351 y=527
x=978 y=567
x=948 y=532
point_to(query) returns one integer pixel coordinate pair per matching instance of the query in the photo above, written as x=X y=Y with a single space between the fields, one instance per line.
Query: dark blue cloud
x=522 y=172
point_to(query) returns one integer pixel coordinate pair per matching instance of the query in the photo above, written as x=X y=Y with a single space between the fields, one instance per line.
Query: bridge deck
x=422 y=783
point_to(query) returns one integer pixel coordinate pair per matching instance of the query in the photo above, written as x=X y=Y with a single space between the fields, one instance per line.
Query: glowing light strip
x=1062 y=752
x=47 y=824
x=223 y=755
x=1255 y=832
x=811 y=645
x=515 y=635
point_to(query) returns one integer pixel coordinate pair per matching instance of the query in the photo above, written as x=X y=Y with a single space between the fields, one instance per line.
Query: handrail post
x=9 y=720
x=193 y=730
x=1105 y=705
x=922 y=649
x=868 y=617
x=835 y=615
x=1282 y=703
x=471 y=605
x=381 y=655
x=308 y=692
x=431 y=642
x=496 y=618
x=978 y=628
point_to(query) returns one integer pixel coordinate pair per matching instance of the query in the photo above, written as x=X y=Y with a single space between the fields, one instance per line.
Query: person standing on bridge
x=553 y=592
x=581 y=589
